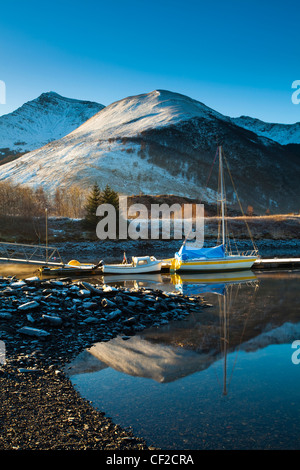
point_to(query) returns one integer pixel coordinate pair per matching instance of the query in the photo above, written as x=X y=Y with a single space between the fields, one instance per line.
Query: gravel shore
x=44 y=324
x=40 y=410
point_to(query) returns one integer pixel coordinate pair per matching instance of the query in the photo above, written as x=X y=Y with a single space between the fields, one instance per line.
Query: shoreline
x=63 y=230
x=112 y=251
x=40 y=408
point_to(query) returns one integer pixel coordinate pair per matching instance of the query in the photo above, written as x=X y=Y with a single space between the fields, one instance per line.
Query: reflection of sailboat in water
x=222 y=257
x=155 y=353
x=197 y=283
x=226 y=303
x=225 y=337
x=136 y=281
x=226 y=285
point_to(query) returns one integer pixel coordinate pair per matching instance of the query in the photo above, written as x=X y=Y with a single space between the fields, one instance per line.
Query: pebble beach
x=44 y=324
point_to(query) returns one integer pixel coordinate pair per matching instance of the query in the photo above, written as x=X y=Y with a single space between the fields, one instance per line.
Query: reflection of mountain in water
x=245 y=318
x=141 y=358
x=85 y=363
x=283 y=334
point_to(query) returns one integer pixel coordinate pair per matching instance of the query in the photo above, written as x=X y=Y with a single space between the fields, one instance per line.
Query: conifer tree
x=109 y=196
x=93 y=201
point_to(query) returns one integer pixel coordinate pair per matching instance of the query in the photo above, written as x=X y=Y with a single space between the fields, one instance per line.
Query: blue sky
x=238 y=57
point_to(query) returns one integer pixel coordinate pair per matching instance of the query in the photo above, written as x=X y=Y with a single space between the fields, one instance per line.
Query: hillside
x=284 y=134
x=165 y=143
x=38 y=122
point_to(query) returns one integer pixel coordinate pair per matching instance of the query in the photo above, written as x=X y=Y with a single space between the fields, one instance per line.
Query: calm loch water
x=227 y=377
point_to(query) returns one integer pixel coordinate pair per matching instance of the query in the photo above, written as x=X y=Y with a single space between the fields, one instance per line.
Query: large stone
x=52 y=319
x=17 y=284
x=29 y=306
x=5 y=316
x=27 y=330
x=114 y=314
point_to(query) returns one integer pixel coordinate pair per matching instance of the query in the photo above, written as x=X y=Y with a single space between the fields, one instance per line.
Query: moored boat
x=139 y=265
x=74 y=267
x=217 y=258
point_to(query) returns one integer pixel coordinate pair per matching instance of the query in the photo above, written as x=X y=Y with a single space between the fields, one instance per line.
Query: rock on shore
x=44 y=324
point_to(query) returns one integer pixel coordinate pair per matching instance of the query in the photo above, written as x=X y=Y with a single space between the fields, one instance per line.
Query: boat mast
x=222 y=200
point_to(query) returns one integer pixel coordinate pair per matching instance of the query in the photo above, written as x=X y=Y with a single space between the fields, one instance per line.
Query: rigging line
x=240 y=205
x=205 y=188
x=226 y=222
x=229 y=234
x=219 y=210
x=231 y=237
x=249 y=231
x=209 y=175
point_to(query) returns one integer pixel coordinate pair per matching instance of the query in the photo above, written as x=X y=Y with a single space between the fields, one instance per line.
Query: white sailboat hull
x=228 y=263
x=154 y=267
x=123 y=269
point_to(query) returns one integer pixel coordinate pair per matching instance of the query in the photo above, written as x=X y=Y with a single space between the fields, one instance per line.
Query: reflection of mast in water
x=226 y=285
x=225 y=337
x=226 y=302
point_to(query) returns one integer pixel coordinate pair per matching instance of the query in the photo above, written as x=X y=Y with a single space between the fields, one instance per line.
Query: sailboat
x=217 y=258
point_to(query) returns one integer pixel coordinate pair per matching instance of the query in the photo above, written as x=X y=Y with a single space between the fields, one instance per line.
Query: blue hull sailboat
x=217 y=258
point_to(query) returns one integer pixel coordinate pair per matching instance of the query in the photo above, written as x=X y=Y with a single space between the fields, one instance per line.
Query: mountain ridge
x=48 y=117
x=284 y=134
x=163 y=142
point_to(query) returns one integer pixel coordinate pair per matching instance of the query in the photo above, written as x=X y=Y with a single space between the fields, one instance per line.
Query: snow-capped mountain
x=284 y=134
x=164 y=143
x=135 y=115
x=37 y=122
x=110 y=147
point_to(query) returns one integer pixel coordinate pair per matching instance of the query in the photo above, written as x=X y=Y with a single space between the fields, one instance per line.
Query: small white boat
x=139 y=265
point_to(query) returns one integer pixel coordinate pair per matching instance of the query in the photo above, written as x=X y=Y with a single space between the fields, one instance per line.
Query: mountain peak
x=48 y=117
x=52 y=96
x=133 y=115
x=156 y=143
x=51 y=93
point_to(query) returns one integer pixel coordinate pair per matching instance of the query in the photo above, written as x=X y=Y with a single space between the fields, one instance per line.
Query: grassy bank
x=61 y=229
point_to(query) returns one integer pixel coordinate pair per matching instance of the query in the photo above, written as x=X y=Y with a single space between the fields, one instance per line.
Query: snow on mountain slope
x=49 y=117
x=163 y=143
x=136 y=114
x=96 y=149
x=83 y=163
x=284 y=134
